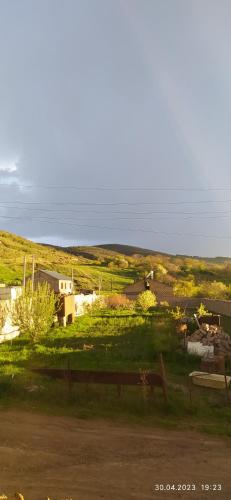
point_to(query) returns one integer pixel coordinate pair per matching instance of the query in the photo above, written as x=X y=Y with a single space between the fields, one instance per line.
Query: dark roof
x=56 y=275
x=162 y=291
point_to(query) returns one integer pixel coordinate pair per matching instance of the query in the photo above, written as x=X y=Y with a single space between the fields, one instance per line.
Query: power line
x=82 y=203
x=224 y=212
x=113 y=188
x=112 y=219
x=140 y=230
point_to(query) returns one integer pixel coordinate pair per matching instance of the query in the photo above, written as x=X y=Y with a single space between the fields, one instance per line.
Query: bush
x=177 y=313
x=98 y=305
x=145 y=300
x=33 y=311
x=4 y=311
x=119 y=302
x=185 y=288
x=202 y=311
x=214 y=290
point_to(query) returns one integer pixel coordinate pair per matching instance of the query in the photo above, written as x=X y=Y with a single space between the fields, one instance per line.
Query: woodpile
x=212 y=335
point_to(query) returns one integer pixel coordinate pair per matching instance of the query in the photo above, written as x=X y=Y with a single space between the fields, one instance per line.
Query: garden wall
x=218 y=306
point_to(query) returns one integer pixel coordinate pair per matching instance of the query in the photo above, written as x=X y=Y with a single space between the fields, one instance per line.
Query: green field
x=111 y=341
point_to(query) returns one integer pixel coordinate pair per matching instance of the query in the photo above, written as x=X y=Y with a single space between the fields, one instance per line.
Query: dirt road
x=63 y=458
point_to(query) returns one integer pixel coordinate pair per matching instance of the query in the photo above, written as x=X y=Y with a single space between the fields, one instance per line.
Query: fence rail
x=106 y=377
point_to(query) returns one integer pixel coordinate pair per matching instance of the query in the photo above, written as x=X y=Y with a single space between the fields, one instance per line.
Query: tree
x=145 y=300
x=160 y=271
x=185 y=288
x=214 y=290
x=33 y=311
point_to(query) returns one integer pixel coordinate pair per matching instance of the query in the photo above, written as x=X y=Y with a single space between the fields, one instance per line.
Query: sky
x=115 y=123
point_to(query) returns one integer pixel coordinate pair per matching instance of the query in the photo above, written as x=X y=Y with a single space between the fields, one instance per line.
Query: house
x=63 y=286
x=58 y=282
x=163 y=292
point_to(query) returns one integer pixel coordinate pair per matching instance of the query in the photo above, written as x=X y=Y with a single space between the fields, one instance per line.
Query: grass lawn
x=111 y=341
x=111 y=280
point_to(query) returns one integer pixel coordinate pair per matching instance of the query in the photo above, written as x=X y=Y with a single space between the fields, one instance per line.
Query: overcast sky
x=115 y=122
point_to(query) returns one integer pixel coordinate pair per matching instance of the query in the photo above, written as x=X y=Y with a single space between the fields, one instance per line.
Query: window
x=61 y=284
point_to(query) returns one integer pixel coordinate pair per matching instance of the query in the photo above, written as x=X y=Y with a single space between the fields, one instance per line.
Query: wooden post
x=69 y=380
x=190 y=386
x=119 y=390
x=226 y=386
x=163 y=374
x=197 y=322
x=100 y=284
x=24 y=272
x=33 y=266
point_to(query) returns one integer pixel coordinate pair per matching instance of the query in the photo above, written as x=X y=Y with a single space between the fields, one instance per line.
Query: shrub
x=4 y=311
x=119 y=302
x=214 y=290
x=96 y=306
x=177 y=313
x=145 y=300
x=202 y=311
x=33 y=311
x=185 y=288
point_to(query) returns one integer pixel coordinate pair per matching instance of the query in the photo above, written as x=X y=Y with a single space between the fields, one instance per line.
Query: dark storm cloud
x=120 y=94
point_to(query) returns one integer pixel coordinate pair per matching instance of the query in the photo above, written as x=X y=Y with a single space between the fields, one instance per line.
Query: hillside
x=88 y=272
x=108 y=267
x=129 y=250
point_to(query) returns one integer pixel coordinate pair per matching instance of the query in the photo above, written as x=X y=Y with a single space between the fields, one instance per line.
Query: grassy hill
x=129 y=250
x=112 y=266
x=88 y=272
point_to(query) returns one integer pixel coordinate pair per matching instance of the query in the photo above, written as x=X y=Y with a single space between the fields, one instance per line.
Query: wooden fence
x=106 y=377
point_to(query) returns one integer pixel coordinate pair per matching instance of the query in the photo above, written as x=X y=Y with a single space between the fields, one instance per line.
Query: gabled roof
x=56 y=275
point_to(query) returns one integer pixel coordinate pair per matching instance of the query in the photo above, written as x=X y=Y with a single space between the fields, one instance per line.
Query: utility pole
x=33 y=266
x=24 y=272
x=72 y=279
x=100 y=283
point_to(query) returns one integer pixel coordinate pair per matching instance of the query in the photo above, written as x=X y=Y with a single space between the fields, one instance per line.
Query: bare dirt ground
x=64 y=458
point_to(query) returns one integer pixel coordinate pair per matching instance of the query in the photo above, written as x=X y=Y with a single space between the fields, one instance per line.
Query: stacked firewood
x=212 y=335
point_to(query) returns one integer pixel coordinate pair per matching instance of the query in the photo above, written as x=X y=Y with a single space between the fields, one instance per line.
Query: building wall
x=218 y=306
x=41 y=277
x=65 y=286
x=67 y=308
x=165 y=293
x=9 y=331
x=81 y=300
x=10 y=292
x=59 y=286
